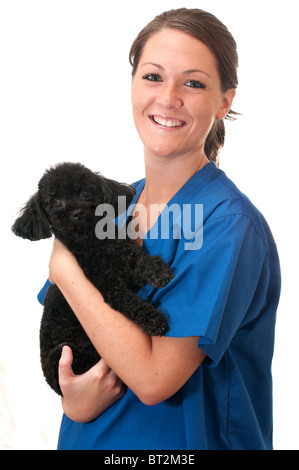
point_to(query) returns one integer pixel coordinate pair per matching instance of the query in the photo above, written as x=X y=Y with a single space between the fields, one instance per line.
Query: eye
x=152 y=77
x=86 y=194
x=195 y=84
x=58 y=204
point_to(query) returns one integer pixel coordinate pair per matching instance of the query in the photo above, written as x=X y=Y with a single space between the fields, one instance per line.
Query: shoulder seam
x=240 y=215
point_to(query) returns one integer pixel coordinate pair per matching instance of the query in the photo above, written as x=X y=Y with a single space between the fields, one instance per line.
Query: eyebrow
x=186 y=72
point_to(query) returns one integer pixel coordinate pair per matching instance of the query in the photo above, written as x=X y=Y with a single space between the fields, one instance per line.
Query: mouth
x=167 y=122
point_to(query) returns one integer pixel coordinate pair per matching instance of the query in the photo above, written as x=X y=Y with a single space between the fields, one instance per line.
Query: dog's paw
x=155 y=324
x=159 y=274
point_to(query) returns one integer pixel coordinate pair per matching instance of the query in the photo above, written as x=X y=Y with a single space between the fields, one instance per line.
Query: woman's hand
x=87 y=396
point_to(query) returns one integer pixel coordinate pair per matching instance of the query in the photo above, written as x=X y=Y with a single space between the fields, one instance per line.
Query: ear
x=32 y=223
x=112 y=190
x=227 y=102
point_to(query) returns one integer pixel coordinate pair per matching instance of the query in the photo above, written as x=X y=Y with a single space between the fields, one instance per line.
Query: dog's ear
x=124 y=190
x=112 y=190
x=32 y=223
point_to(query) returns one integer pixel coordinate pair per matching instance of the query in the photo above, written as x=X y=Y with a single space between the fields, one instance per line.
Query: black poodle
x=65 y=205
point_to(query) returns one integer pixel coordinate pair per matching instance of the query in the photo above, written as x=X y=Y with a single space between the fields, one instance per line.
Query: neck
x=166 y=175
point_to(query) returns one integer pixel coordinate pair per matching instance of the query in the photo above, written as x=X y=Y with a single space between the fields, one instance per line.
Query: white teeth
x=169 y=123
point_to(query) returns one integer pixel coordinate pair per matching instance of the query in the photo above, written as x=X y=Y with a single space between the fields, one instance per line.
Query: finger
x=101 y=367
x=65 y=370
x=112 y=375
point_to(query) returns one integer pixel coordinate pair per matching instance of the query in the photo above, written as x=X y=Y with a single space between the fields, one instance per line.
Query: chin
x=164 y=151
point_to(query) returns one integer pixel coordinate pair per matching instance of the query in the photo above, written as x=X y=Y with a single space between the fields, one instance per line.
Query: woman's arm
x=153 y=367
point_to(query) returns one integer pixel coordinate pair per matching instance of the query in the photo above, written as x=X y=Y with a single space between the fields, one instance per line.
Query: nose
x=76 y=214
x=169 y=96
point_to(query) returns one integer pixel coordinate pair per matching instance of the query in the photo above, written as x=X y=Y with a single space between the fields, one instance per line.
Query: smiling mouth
x=167 y=122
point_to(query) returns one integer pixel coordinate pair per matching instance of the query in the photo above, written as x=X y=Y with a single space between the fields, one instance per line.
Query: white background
x=65 y=96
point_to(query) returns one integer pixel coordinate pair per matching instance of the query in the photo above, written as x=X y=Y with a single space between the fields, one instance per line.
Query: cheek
x=204 y=112
x=203 y=122
x=141 y=100
x=139 y=107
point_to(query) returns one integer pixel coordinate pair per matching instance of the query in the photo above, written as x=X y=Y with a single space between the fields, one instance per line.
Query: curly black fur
x=64 y=205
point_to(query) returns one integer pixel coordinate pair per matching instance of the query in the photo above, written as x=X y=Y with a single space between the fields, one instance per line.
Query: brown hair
x=208 y=29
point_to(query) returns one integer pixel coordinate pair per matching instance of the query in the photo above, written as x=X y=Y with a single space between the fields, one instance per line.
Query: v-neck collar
x=197 y=182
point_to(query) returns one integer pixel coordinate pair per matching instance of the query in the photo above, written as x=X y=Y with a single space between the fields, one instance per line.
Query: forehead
x=67 y=181
x=175 y=50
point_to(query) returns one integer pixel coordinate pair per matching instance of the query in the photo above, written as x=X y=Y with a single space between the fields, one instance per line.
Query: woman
x=207 y=383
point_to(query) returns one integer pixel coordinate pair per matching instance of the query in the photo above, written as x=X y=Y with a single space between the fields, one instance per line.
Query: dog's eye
x=57 y=204
x=86 y=194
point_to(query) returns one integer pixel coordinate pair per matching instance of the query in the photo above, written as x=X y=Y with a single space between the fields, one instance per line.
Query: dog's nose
x=76 y=214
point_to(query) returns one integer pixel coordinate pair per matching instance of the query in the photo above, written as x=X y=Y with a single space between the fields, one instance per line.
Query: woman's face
x=176 y=94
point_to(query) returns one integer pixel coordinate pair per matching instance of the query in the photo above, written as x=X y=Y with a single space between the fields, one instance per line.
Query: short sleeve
x=42 y=294
x=214 y=286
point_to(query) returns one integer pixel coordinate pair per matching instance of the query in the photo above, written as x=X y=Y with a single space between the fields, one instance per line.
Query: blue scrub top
x=226 y=292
